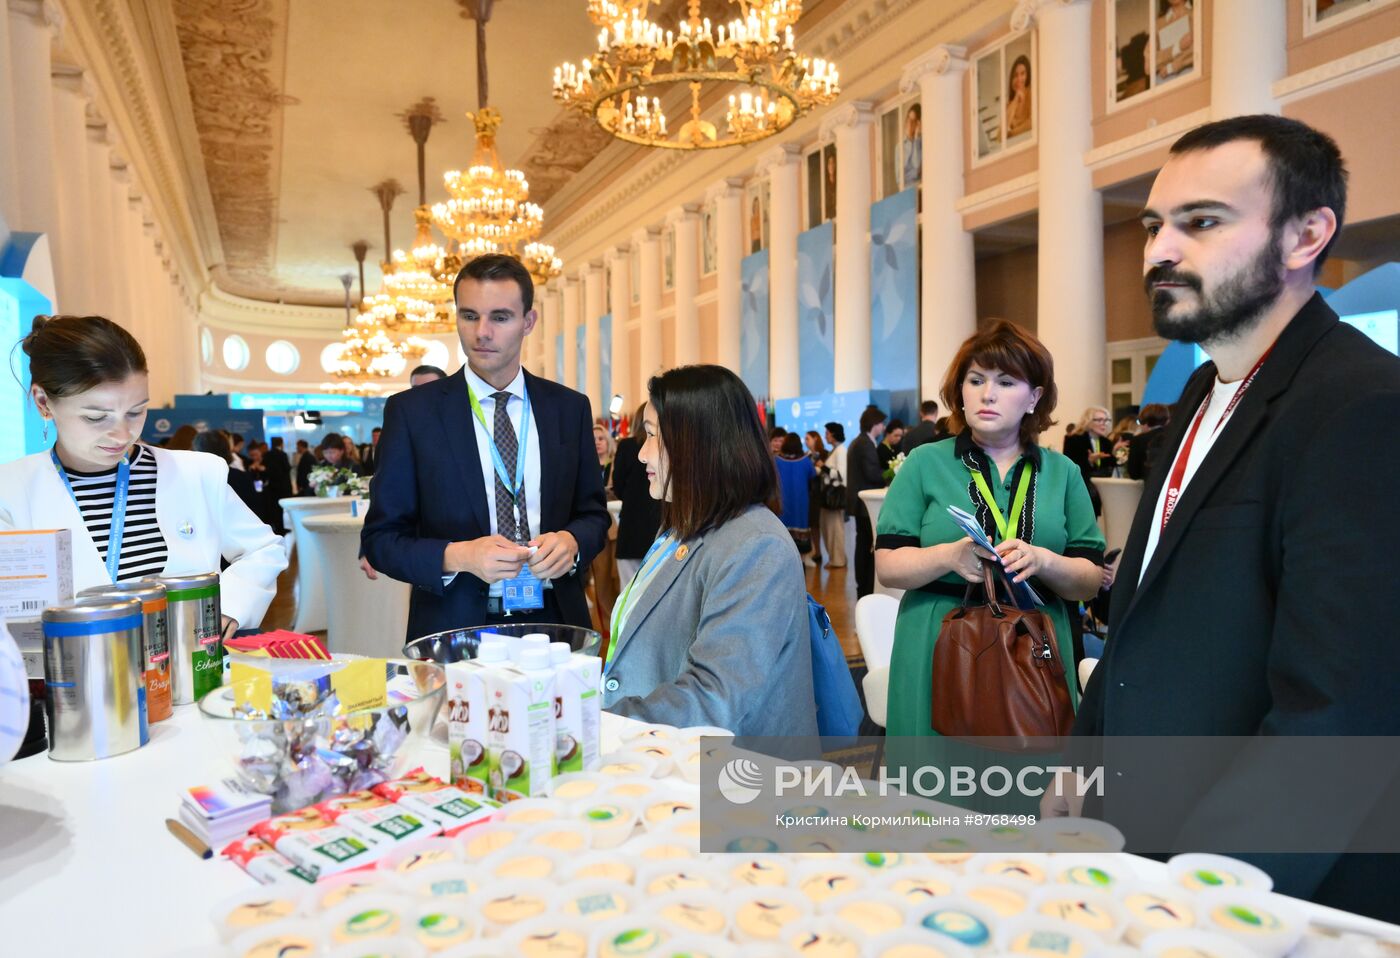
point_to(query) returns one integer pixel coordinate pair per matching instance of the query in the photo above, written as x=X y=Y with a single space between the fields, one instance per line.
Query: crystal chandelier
x=367 y=353
x=638 y=64
x=418 y=283
x=488 y=209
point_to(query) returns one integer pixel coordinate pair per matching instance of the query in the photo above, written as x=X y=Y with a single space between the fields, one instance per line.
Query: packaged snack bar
x=320 y=847
x=265 y=863
x=377 y=818
x=426 y=795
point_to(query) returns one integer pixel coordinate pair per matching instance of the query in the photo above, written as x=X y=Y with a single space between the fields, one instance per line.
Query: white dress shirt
x=515 y=408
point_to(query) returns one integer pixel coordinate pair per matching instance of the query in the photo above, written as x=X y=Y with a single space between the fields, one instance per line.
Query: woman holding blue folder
x=1029 y=501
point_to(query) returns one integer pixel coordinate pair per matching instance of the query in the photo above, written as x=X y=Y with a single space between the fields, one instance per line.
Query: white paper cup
x=919 y=883
x=597 y=901
x=381 y=948
x=667 y=806
x=449 y=882
x=609 y=820
x=554 y=936
x=258 y=907
x=757 y=871
x=1103 y=872
x=822 y=936
x=633 y=788
x=631 y=936
x=1086 y=836
x=626 y=764
x=1263 y=922
x=576 y=786
x=563 y=836
x=532 y=811
x=760 y=914
x=822 y=880
x=1004 y=897
x=428 y=853
x=1028 y=867
x=365 y=918
x=1194 y=942
x=504 y=906
x=662 y=752
x=916 y=943
x=1043 y=937
x=334 y=891
x=1085 y=908
x=960 y=920
x=1197 y=872
x=301 y=937
x=693 y=911
x=485 y=840
x=1153 y=908
x=874 y=911
x=443 y=923
x=520 y=862
x=651 y=732
x=673 y=875
x=606 y=865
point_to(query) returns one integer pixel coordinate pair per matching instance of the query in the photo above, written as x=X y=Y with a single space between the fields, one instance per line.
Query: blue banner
x=23 y=432
x=753 y=323
x=581 y=358
x=605 y=335
x=894 y=302
x=803 y=413
x=163 y=423
x=816 y=311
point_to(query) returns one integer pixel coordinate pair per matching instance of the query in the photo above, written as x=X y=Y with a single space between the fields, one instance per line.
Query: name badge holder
x=525 y=592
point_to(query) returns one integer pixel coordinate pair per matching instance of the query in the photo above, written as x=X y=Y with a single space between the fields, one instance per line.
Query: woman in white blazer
x=180 y=516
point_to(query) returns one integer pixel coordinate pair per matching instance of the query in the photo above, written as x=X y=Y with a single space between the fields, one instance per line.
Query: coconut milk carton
x=577 y=708
x=467 y=707
x=520 y=728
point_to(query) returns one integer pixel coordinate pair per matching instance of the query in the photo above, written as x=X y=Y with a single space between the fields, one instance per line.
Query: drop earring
x=46 y=429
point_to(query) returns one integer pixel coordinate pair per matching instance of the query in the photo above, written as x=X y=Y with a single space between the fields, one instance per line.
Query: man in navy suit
x=450 y=512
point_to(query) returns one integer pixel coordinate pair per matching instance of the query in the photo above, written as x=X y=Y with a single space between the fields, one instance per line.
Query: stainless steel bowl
x=459 y=645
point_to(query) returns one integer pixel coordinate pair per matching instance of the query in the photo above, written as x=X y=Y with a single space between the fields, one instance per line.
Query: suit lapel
x=455 y=413
x=665 y=577
x=546 y=421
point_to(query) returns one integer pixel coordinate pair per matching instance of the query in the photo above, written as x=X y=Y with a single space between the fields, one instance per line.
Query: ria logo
x=740 y=781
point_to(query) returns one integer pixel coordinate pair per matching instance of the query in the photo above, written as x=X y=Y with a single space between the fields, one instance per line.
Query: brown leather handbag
x=997 y=669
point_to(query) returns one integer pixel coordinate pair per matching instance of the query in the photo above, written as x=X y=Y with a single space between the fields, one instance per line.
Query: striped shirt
x=143 y=546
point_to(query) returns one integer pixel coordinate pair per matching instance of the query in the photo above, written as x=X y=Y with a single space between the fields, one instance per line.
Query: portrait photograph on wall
x=1327 y=12
x=1153 y=44
x=1004 y=87
x=829 y=182
x=756 y=215
x=814 y=188
x=668 y=259
x=707 y=240
x=987 y=78
x=1020 y=110
x=890 y=138
x=911 y=146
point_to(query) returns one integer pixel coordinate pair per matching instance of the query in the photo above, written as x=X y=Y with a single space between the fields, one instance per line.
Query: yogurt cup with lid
x=872 y=911
x=1078 y=836
x=918 y=883
x=1103 y=872
x=959 y=920
x=1037 y=936
x=1085 y=908
x=257 y=907
x=1197 y=872
x=597 y=900
x=424 y=854
x=649 y=732
x=520 y=862
x=563 y=836
x=663 y=846
x=552 y=936
x=577 y=786
x=337 y=889
x=822 y=936
x=1263 y=922
x=626 y=764
x=916 y=943
x=1028 y=867
x=533 y=811
x=761 y=914
x=399 y=947
x=693 y=911
x=610 y=820
x=448 y=882
x=485 y=840
x=1155 y=907
x=1006 y=897
x=757 y=871
x=442 y=923
x=823 y=880
x=367 y=917
x=283 y=939
x=678 y=874
x=1193 y=943
x=607 y=865
x=631 y=936
x=507 y=904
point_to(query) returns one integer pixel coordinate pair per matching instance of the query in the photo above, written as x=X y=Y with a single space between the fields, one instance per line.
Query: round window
x=236 y=353
x=282 y=358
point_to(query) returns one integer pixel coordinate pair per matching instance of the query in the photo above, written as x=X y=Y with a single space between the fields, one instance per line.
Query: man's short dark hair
x=1305 y=165
x=870 y=418
x=426 y=370
x=235 y=438
x=376 y=429
x=276 y=442
x=894 y=424
x=303 y=442
x=929 y=407
x=776 y=432
x=838 y=431
x=497 y=267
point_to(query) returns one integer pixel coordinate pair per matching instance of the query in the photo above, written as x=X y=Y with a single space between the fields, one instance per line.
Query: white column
x=569 y=290
x=30 y=56
x=141 y=324
x=851 y=127
x=685 y=220
x=649 y=347
x=783 y=167
x=551 y=323
x=70 y=246
x=728 y=197
x=118 y=179
x=595 y=304
x=101 y=239
x=620 y=272
x=9 y=146
x=1069 y=291
x=1249 y=52
x=948 y=278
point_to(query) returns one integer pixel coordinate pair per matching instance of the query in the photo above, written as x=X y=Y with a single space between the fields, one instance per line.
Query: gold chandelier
x=488 y=209
x=638 y=63
x=418 y=284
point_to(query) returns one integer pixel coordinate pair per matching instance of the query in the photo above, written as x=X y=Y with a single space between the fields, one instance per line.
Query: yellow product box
x=36 y=571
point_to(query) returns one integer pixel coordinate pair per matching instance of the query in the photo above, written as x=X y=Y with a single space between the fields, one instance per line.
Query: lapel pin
x=186 y=530
x=682 y=552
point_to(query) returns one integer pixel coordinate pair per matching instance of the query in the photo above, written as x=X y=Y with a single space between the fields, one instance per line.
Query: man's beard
x=1229 y=310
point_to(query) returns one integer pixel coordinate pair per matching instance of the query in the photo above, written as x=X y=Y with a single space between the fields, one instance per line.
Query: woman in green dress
x=1031 y=502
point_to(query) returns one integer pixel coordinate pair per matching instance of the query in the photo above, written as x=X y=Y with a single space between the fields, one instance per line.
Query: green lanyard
x=1003 y=526
x=514 y=484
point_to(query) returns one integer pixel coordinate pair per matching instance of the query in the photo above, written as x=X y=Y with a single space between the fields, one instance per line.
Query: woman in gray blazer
x=712 y=630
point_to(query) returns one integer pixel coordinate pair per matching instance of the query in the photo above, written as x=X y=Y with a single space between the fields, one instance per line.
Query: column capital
x=1026 y=12
x=646 y=234
x=684 y=213
x=731 y=187
x=40 y=11
x=70 y=77
x=568 y=284
x=855 y=113
x=942 y=59
x=120 y=171
x=622 y=252
x=594 y=267
x=785 y=154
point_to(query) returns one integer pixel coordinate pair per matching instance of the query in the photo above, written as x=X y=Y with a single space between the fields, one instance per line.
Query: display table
x=874 y=499
x=1120 y=501
x=309 y=593
x=364 y=616
x=87 y=866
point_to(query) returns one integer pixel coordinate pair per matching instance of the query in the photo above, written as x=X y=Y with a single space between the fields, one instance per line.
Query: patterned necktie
x=506 y=443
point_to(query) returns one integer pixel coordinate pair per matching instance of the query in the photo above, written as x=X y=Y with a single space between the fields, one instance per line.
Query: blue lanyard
x=118 y=526
x=650 y=563
x=514 y=485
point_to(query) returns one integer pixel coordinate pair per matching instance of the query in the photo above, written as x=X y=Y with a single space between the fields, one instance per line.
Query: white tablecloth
x=874 y=499
x=87 y=866
x=367 y=617
x=310 y=595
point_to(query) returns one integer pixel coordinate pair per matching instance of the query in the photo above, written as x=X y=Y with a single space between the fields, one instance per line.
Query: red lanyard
x=1178 y=474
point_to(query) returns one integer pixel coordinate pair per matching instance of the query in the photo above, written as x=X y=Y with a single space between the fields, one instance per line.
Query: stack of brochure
x=223 y=811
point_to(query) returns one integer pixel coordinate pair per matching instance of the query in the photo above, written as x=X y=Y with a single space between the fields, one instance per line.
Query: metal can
x=93 y=670
x=155 y=638
x=196 y=635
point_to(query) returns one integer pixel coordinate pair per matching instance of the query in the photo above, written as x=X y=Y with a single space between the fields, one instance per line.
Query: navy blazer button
x=612 y=685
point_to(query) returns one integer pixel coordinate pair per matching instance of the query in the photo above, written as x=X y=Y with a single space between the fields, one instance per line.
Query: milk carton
x=577 y=708
x=467 y=704
x=520 y=727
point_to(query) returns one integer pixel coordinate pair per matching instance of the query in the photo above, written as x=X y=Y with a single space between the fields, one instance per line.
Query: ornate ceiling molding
x=941 y=60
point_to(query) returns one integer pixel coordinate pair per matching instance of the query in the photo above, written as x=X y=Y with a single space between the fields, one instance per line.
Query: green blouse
x=1057 y=515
